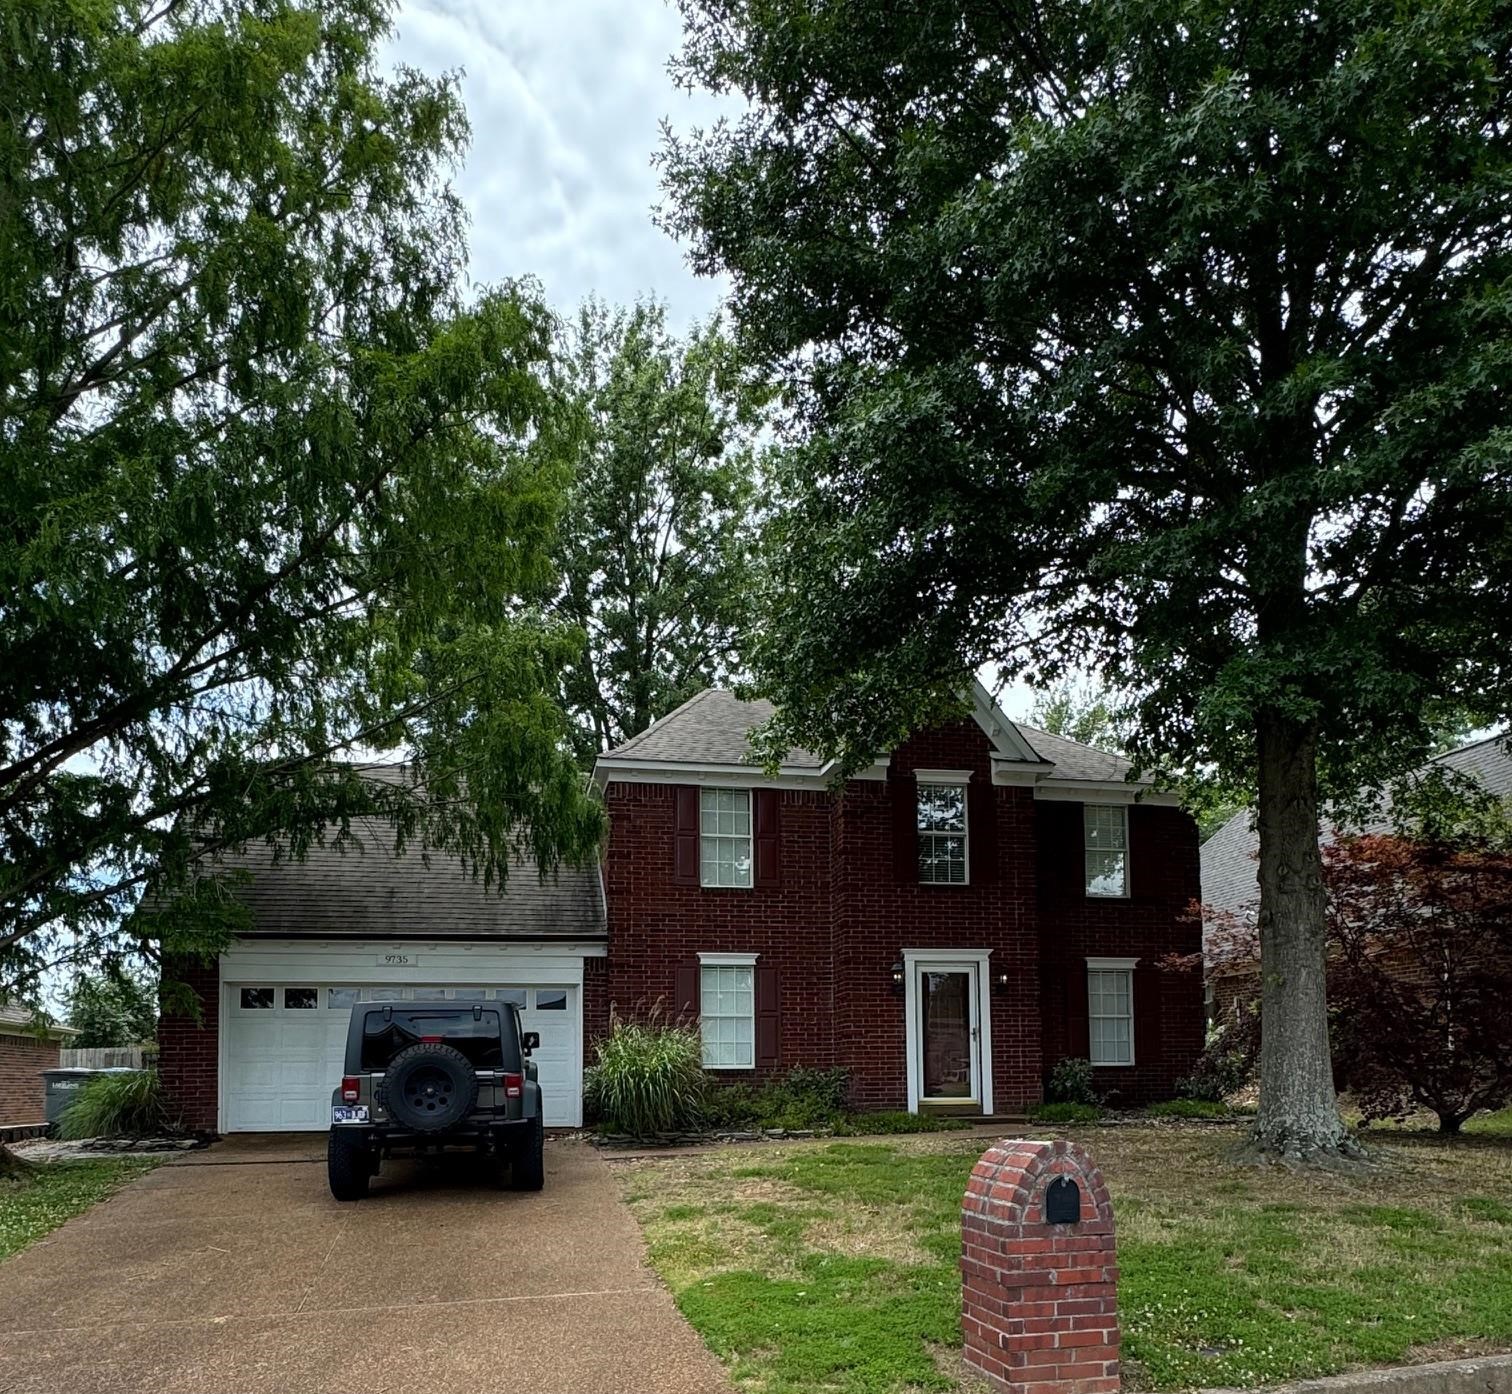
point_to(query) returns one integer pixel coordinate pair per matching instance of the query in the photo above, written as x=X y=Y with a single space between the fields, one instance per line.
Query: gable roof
x=19 y=1020
x=714 y=729
x=367 y=890
x=1229 y=869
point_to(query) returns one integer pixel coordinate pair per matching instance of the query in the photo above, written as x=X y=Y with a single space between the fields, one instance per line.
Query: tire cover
x=429 y=1087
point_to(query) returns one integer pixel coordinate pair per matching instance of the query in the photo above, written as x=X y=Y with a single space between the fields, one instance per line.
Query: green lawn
x=57 y=1192
x=833 y=1267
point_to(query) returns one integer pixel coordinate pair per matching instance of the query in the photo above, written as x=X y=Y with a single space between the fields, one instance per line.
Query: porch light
x=897 y=977
x=1000 y=982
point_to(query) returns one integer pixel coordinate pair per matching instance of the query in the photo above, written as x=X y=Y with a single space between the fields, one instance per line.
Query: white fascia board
x=725 y=776
x=1006 y=771
x=1099 y=791
x=1006 y=738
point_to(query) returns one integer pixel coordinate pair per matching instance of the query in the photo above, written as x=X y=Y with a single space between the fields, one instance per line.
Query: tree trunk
x=1299 y=1114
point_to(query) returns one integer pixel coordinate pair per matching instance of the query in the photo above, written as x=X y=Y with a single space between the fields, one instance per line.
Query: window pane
x=256 y=998
x=942 y=808
x=550 y=1000
x=1106 y=873
x=301 y=998
x=340 y=998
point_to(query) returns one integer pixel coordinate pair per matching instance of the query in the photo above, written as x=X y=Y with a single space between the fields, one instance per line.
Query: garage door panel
x=284 y=1057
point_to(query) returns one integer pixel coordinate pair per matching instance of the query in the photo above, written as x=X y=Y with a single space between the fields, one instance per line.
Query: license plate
x=356 y=1114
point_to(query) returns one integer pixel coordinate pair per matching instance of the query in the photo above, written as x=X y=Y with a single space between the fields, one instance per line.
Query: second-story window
x=724 y=841
x=942 y=834
x=1105 y=844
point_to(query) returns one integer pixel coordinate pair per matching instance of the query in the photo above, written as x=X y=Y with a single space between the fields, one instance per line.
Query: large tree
x=656 y=544
x=273 y=493
x=1168 y=338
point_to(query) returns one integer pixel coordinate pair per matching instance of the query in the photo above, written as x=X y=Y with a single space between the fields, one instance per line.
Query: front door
x=949 y=1035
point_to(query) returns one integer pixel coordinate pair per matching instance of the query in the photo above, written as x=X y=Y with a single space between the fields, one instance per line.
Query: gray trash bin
x=61 y=1087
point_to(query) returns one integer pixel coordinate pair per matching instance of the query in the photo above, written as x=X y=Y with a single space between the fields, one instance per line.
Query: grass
x=833 y=1267
x=57 y=1191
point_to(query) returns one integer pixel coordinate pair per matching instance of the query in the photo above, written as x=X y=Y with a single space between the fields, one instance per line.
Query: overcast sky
x=565 y=99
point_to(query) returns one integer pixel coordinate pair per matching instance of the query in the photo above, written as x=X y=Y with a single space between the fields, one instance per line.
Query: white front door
x=948 y=1033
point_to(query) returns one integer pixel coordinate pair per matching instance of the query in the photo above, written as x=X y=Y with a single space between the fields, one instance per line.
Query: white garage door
x=284 y=1046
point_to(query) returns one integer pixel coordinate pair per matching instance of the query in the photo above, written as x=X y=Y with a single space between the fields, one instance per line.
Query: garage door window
x=340 y=999
x=551 y=1001
x=515 y=996
x=256 y=998
x=301 y=998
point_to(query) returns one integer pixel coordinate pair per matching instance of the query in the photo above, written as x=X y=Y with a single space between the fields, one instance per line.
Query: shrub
x=1228 y=1060
x=1071 y=1082
x=647 y=1078
x=130 y=1104
x=800 y=1100
x=861 y=1124
x=1065 y=1112
x=1188 y=1108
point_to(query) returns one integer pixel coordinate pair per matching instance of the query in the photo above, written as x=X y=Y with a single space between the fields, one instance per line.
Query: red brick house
x=945 y=925
x=25 y=1052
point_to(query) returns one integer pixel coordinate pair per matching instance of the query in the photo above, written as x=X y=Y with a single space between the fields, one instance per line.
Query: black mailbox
x=1062 y=1202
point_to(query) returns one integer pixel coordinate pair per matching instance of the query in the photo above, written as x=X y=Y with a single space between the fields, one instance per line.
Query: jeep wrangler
x=427 y=1077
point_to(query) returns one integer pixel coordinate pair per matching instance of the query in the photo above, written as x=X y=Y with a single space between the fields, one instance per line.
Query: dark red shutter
x=768 y=1019
x=686 y=992
x=685 y=836
x=768 y=825
x=1078 y=1031
x=905 y=815
x=1147 y=982
x=981 y=831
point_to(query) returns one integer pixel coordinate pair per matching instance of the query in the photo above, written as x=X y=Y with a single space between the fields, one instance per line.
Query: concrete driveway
x=236 y=1271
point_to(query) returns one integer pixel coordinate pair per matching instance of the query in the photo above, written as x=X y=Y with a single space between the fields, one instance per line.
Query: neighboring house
x=1230 y=857
x=24 y=1053
x=945 y=925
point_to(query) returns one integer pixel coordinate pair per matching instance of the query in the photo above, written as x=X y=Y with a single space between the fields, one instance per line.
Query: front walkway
x=233 y=1269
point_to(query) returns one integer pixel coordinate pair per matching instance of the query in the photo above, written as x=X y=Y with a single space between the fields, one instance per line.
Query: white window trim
x=750 y=837
x=957 y=779
x=714 y=960
x=913 y=959
x=1128 y=862
x=1111 y=965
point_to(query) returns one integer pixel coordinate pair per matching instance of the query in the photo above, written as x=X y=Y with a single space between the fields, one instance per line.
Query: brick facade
x=189 y=1050
x=22 y=1060
x=840 y=916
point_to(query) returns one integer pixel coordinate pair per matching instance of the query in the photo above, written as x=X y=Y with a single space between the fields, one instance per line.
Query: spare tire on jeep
x=429 y=1087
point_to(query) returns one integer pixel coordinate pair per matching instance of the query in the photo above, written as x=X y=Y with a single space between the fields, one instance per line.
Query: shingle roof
x=1228 y=856
x=714 y=728
x=18 y=1019
x=1073 y=760
x=367 y=890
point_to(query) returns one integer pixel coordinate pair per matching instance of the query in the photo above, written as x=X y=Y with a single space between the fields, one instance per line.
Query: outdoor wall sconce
x=897 y=978
x=1000 y=982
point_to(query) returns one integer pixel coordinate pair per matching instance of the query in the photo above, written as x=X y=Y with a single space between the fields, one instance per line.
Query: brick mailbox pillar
x=1039 y=1271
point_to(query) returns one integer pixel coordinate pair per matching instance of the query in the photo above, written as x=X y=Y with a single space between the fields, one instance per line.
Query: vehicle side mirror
x=529 y=1041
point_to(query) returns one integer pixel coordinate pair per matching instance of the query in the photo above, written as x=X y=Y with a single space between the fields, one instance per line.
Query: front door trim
x=913 y=959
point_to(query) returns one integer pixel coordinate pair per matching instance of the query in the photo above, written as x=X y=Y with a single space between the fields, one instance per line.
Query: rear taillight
x=351 y=1089
x=514 y=1086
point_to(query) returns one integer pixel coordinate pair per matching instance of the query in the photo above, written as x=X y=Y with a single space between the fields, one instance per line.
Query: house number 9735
x=396 y=960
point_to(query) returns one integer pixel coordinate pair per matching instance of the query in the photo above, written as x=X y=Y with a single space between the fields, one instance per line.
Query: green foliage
x=799 y=1100
x=1071 y=1082
x=1227 y=1062
x=48 y=1195
x=1188 y=1108
x=647 y=1078
x=1082 y=714
x=112 y=1008
x=129 y=1104
x=1065 y=1113
x=278 y=487
x=657 y=538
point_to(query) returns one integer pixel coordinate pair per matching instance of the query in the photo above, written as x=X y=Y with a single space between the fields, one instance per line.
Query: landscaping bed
x=832 y=1265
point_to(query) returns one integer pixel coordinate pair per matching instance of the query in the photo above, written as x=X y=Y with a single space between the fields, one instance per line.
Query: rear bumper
x=474 y=1133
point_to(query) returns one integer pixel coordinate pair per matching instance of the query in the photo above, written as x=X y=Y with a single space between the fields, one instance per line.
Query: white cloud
x=565 y=100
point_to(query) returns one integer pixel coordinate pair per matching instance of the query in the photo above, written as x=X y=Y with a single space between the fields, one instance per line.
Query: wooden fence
x=106 y=1058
